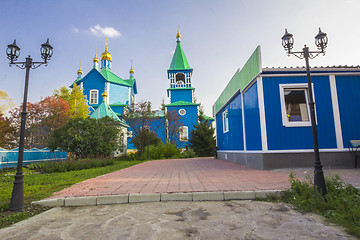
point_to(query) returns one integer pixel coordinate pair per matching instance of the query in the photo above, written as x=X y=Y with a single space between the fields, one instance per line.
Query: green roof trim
x=240 y=79
x=181 y=103
x=179 y=61
x=185 y=88
x=118 y=104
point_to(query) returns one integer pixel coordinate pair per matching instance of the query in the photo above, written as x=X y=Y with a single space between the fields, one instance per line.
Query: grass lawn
x=38 y=186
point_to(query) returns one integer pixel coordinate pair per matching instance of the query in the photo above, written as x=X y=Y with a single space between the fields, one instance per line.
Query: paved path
x=178 y=175
x=212 y=220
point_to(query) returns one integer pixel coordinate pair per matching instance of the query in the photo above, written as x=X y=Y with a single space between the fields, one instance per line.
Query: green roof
x=240 y=80
x=179 y=61
x=111 y=77
x=207 y=117
x=181 y=103
x=105 y=110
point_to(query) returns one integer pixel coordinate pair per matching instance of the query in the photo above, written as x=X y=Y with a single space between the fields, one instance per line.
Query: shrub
x=161 y=151
x=340 y=206
x=188 y=154
x=70 y=165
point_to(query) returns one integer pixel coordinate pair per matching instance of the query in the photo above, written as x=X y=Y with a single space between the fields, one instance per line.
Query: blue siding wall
x=189 y=120
x=252 y=119
x=181 y=95
x=118 y=93
x=233 y=139
x=94 y=80
x=284 y=138
x=348 y=90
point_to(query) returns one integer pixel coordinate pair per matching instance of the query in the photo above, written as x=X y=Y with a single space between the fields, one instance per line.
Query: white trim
x=243 y=120
x=336 y=112
x=304 y=74
x=129 y=96
x=226 y=112
x=260 y=89
x=286 y=151
x=303 y=86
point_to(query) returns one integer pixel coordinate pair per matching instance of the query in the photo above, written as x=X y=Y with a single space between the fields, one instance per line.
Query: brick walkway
x=178 y=175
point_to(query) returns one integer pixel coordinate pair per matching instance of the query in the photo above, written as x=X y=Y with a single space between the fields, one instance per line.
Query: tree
x=173 y=125
x=7 y=131
x=5 y=101
x=141 y=120
x=43 y=117
x=63 y=92
x=87 y=137
x=202 y=139
x=78 y=103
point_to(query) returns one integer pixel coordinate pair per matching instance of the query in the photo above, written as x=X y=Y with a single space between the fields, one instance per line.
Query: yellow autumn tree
x=5 y=101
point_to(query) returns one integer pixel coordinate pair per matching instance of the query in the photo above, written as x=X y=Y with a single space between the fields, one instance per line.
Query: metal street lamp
x=321 y=41
x=13 y=52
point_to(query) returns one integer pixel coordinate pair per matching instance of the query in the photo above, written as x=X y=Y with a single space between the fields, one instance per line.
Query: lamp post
x=13 y=52
x=321 y=41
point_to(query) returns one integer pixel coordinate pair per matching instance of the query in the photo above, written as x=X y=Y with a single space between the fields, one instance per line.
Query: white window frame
x=225 y=119
x=295 y=86
x=183 y=133
x=182 y=112
x=92 y=100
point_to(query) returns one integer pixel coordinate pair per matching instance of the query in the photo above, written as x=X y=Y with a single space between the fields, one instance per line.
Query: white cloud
x=105 y=31
x=74 y=29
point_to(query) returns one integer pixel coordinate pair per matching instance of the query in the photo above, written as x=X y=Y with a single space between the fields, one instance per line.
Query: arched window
x=180 y=78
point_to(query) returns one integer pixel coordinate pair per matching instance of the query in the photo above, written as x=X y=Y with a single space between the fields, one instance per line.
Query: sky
x=218 y=36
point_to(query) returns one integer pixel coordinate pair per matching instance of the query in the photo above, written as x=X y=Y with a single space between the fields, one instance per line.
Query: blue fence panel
x=9 y=158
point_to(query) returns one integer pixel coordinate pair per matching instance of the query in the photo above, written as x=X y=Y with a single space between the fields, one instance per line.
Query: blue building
x=120 y=96
x=121 y=92
x=262 y=116
x=182 y=94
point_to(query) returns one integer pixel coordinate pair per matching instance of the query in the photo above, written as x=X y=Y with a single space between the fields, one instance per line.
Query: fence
x=9 y=158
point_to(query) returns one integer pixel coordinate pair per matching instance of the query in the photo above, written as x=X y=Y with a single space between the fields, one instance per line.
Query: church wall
x=93 y=82
x=181 y=95
x=118 y=93
x=189 y=119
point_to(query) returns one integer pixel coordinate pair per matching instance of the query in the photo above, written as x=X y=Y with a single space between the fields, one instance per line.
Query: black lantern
x=13 y=52
x=46 y=51
x=321 y=40
x=287 y=41
x=321 y=43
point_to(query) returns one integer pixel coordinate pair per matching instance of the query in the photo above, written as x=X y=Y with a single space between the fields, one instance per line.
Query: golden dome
x=131 y=69
x=79 y=72
x=95 y=59
x=104 y=95
x=178 y=35
x=106 y=55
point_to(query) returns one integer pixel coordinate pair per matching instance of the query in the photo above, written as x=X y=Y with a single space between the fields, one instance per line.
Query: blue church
x=119 y=94
x=262 y=116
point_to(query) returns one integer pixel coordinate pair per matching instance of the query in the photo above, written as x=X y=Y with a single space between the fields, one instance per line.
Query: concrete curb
x=155 y=197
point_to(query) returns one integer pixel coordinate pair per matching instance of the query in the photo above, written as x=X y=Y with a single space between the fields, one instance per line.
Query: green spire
x=179 y=61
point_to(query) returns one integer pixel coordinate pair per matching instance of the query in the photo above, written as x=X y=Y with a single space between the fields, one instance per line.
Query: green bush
x=70 y=165
x=188 y=154
x=340 y=206
x=160 y=151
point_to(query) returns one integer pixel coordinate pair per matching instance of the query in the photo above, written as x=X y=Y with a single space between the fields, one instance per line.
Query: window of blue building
x=94 y=96
x=294 y=105
x=225 y=119
x=184 y=133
